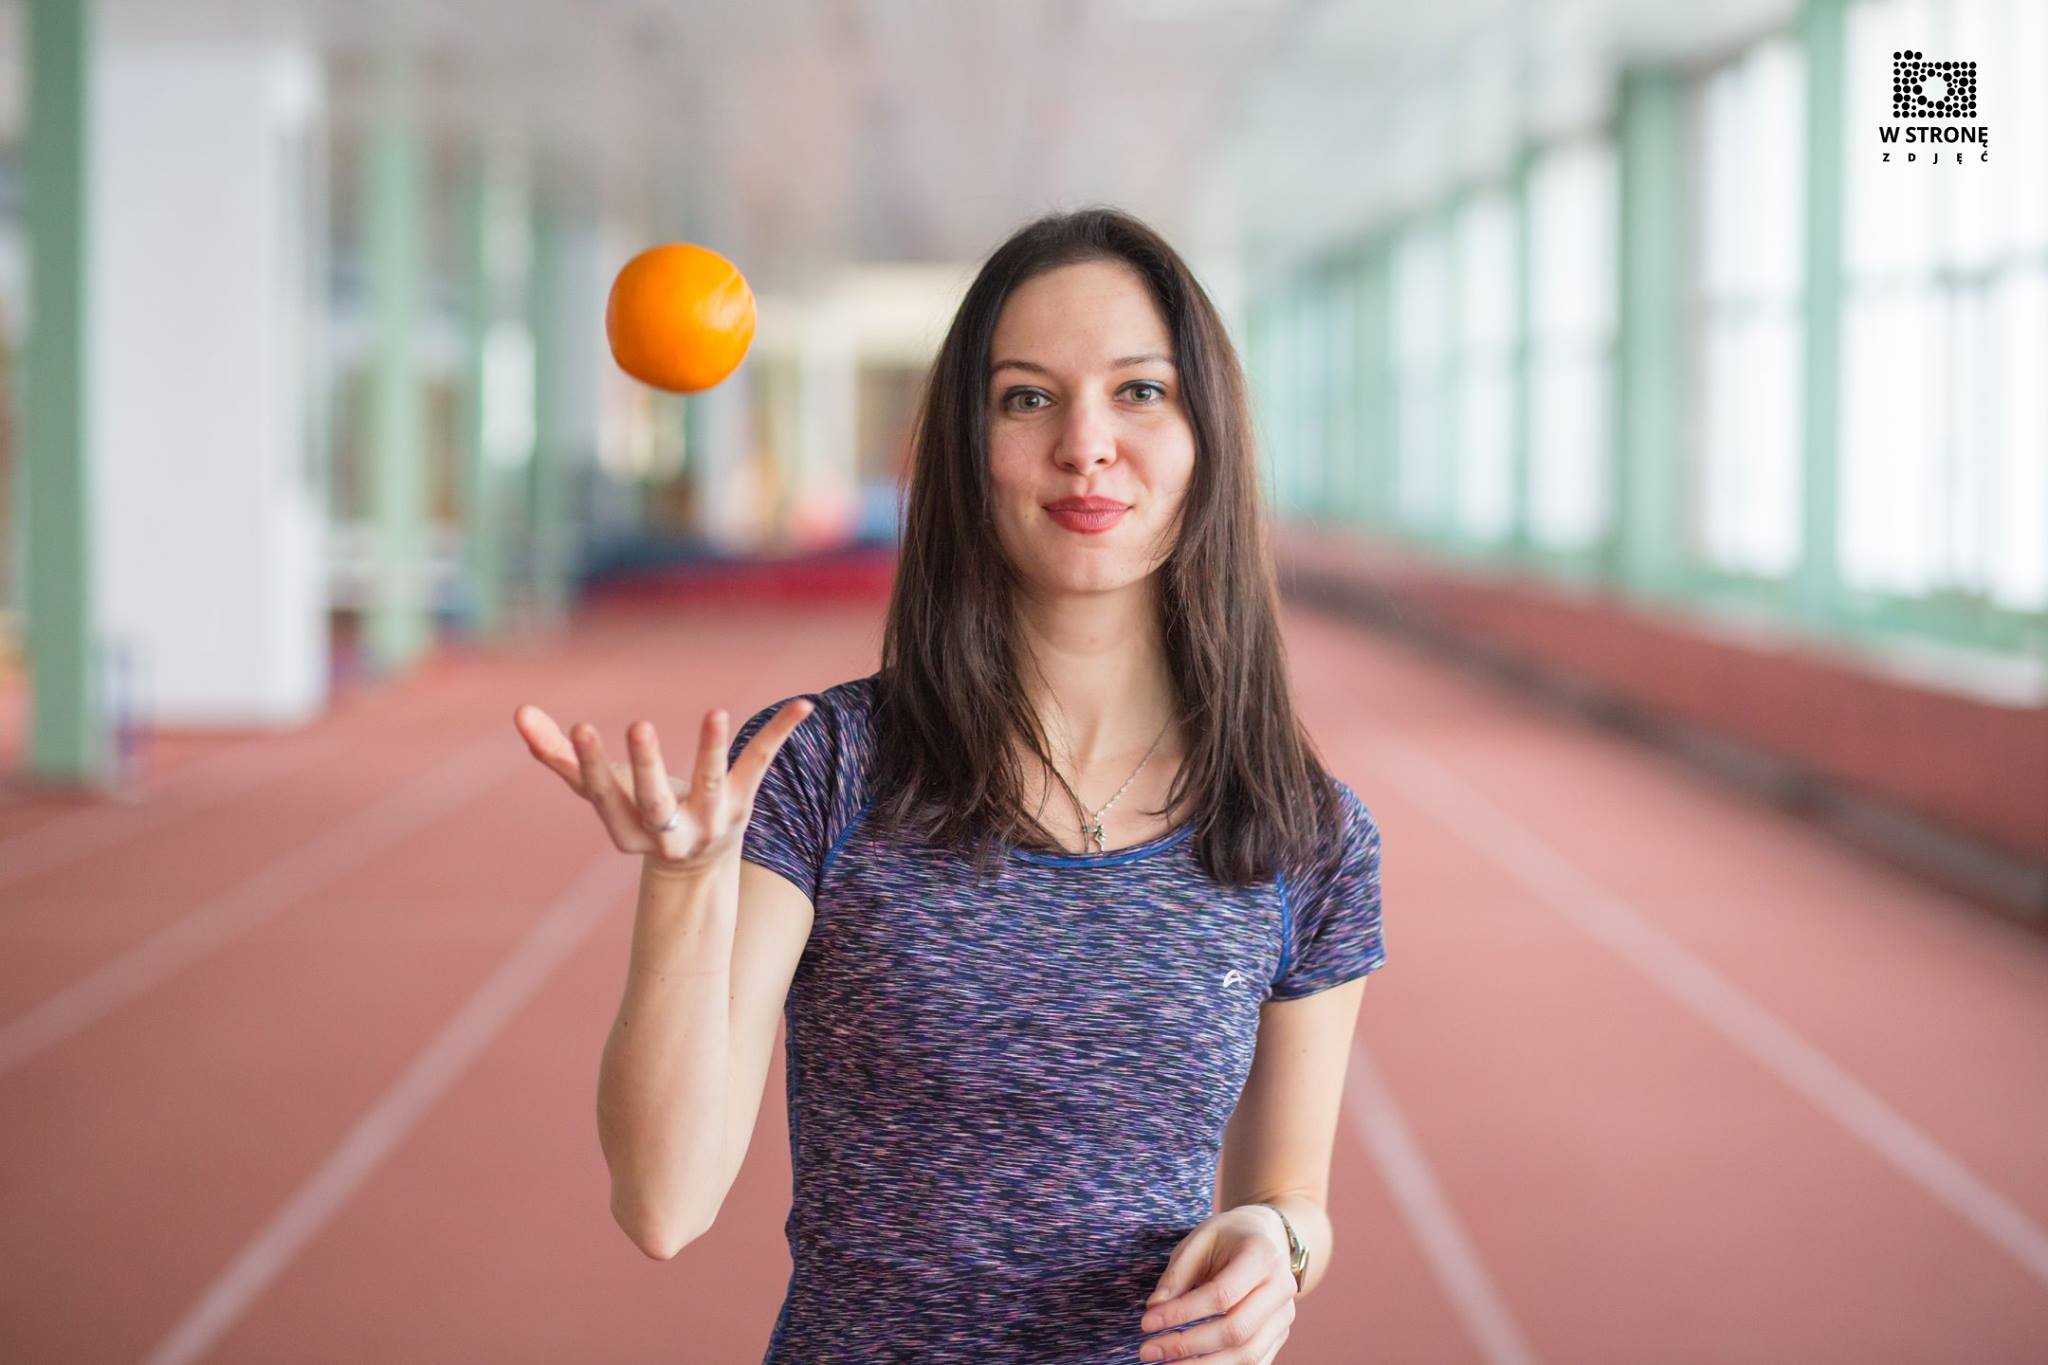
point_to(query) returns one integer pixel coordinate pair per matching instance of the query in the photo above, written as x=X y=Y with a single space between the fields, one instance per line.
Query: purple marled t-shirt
x=1007 y=1101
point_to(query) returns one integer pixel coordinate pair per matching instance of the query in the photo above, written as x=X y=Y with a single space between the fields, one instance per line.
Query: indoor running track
x=298 y=1056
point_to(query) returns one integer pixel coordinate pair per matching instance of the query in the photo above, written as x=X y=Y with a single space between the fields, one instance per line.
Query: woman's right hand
x=634 y=800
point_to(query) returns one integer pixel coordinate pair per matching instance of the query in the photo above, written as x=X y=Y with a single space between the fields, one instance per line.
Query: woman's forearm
x=661 y=1092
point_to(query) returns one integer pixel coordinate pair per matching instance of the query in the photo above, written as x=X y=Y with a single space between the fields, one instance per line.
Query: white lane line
x=603 y=885
x=187 y=792
x=279 y=884
x=1717 y=1002
x=1444 y=1244
x=81 y=833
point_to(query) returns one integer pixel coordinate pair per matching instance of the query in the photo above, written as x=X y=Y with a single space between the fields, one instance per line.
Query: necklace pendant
x=1093 y=831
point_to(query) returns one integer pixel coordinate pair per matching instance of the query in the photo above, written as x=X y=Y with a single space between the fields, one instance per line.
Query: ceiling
x=824 y=131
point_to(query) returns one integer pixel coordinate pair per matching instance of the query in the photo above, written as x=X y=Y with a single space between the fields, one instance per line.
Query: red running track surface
x=298 y=1054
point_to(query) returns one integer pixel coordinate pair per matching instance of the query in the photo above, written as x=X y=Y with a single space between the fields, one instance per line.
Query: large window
x=1748 y=410
x=1944 y=448
x=1422 y=377
x=1572 y=252
x=1487 y=320
x=1318 y=371
x=1269 y=363
x=1345 y=473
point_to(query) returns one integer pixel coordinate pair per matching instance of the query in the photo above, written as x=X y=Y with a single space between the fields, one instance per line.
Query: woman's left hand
x=1235 y=1264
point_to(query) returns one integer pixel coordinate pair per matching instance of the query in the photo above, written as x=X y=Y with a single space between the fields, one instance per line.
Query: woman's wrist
x=1276 y=1223
x=1289 y=1229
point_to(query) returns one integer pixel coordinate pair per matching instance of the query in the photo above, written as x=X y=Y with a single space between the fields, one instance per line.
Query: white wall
x=205 y=261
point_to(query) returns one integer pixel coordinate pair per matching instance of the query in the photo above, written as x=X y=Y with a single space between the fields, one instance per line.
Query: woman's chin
x=1087 y=578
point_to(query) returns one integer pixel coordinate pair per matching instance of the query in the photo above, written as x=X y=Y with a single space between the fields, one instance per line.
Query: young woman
x=1068 y=923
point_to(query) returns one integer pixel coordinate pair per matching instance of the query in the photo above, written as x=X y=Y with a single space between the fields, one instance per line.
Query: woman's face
x=1085 y=402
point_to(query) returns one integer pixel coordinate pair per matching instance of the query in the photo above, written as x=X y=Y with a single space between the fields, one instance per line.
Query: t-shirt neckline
x=1158 y=844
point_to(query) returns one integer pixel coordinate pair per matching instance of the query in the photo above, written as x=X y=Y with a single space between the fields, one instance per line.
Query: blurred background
x=1649 y=421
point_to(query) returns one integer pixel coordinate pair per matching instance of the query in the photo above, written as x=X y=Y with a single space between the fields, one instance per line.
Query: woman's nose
x=1088 y=439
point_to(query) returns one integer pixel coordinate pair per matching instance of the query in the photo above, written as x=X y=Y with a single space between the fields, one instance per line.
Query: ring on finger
x=675 y=817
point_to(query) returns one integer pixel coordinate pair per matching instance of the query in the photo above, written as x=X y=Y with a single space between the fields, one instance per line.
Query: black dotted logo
x=1924 y=89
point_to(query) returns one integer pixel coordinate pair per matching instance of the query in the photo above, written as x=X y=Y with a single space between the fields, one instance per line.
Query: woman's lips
x=1088 y=521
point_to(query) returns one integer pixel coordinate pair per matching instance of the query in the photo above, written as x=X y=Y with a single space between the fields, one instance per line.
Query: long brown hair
x=951 y=707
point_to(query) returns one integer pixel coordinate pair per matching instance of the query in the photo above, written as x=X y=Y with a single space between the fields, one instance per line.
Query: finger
x=707 y=779
x=1268 y=1343
x=1265 y=1343
x=1239 y=1335
x=1215 y=1294
x=600 y=783
x=545 y=741
x=752 y=764
x=652 y=793
x=1182 y=1267
x=1245 y=1271
x=1273 y=1352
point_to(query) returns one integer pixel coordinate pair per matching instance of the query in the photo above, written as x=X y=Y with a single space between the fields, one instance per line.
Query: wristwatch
x=1297 y=1252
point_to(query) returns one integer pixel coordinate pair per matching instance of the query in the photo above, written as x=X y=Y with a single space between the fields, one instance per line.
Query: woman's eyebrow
x=1120 y=363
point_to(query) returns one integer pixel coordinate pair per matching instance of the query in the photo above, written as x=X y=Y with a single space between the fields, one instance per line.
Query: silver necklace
x=1091 y=825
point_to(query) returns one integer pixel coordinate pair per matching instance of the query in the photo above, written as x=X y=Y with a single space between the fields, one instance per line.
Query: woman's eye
x=1013 y=399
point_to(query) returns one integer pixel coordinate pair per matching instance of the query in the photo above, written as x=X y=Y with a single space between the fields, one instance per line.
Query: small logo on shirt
x=1234 y=977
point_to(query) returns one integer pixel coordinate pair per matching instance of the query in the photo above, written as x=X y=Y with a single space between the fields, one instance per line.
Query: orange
x=680 y=317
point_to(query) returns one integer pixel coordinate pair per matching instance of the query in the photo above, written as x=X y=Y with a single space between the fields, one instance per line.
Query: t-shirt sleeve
x=791 y=829
x=1333 y=917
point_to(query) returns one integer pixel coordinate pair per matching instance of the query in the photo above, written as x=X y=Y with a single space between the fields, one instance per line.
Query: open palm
x=677 y=826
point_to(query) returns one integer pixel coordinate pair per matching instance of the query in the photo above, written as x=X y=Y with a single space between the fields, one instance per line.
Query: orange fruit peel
x=679 y=317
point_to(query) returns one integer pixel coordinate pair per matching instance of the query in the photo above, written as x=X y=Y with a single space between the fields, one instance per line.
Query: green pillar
x=1520 y=542
x=1647 y=554
x=1280 y=355
x=1347 y=454
x=1297 y=389
x=1259 y=343
x=1817 y=576
x=1376 y=365
x=398 y=625
x=1305 y=405
x=481 y=598
x=1321 y=355
x=494 y=224
x=1305 y=455
x=1347 y=421
x=548 y=482
x=68 y=737
x=1448 y=531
